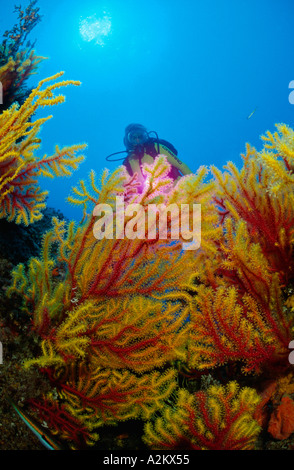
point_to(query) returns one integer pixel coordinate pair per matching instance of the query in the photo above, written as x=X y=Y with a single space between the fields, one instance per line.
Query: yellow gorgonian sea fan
x=246 y=195
x=241 y=317
x=21 y=199
x=277 y=156
x=13 y=76
x=87 y=402
x=219 y=418
x=121 y=284
x=116 y=312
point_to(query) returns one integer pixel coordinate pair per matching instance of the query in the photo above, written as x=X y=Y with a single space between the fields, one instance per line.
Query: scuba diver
x=142 y=148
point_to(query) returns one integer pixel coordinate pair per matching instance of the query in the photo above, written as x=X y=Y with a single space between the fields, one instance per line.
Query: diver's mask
x=137 y=137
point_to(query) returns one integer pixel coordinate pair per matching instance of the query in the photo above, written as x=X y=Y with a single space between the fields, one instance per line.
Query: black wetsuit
x=153 y=147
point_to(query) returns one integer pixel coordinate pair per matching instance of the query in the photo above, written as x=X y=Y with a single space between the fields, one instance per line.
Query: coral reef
x=120 y=330
x=109 y=340
x=22 y=200
x=15 y=38
x=239 y=311
x=13 y=76
x=105 y=331
x=218 y=418
x=17 y=57
x=126 y=329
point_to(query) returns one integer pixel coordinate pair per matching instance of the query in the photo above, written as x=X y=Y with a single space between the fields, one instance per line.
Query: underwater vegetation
x=191 y=345
x=220 y=418
x=127 y=328
x=17 y=57
x=108 y=333
x=21 y=198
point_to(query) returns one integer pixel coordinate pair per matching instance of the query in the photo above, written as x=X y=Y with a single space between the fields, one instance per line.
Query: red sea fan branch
x=219 y=418
x=61 y=422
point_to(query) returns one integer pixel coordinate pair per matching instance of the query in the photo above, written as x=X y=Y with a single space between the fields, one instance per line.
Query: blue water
x=191 y=70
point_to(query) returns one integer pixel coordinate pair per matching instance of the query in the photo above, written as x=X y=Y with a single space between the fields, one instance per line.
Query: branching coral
x=278 y=157
x=21 y=199
x=17 y=59
x=238 y=312
x=118 y=312
x=94 y=398
x=227 y=332
x=242 y=317
x=15 y=38
x=126 y=310
x=118 y=334
x=247 y=195
x=13 y=76
x=220 y=418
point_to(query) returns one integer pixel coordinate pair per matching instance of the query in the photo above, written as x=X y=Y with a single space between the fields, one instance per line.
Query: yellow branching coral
x=21 y=199
x=117 y=311
x=88 y=401
x=241 y=316
x=226 y=330
x=14 y=74
x=193 y=188
x=219 y=418
x=238 y=311
x=245 y=195
x=108 y=395
x=122 y=311
x=120 y=333
x=98 y=271
x=277 y=157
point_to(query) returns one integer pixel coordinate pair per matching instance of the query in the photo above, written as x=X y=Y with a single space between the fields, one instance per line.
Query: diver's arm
x=175 y=161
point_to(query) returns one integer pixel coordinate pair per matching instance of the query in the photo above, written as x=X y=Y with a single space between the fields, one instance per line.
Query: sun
x=95 y=29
